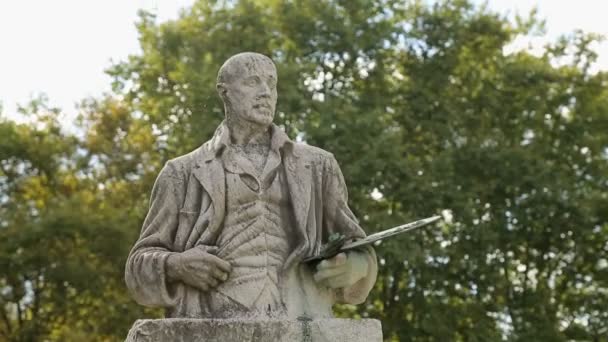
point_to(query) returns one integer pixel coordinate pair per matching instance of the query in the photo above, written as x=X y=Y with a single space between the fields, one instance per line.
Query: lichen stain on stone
x=306 y=331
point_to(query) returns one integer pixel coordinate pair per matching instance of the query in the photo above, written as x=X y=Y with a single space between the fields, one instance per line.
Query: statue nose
x=263 y=95
x=264 y=90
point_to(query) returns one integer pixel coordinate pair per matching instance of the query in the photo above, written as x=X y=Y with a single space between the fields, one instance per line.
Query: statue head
x=247 y=84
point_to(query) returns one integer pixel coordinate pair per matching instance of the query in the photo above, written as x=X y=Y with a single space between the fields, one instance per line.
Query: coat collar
x=213 y=148
x=209 y=171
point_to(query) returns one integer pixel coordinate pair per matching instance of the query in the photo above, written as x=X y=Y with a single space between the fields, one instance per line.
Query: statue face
x=252 y=94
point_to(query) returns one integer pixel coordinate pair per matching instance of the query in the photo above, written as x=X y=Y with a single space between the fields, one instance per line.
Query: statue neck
x=248 y=133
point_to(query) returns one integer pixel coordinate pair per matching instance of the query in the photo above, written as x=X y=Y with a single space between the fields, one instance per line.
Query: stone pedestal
x=225 y=330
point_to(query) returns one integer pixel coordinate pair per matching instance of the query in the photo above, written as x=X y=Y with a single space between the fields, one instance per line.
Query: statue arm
x=146 y=269
x=338 y=218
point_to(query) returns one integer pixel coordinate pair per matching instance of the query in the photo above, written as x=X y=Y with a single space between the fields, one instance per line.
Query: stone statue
x=230 y=223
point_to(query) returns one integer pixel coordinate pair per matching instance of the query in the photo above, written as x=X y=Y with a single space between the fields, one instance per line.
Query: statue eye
x=251 y=82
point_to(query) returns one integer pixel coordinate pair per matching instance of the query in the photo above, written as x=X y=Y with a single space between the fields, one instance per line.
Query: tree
x=60 y=275
x=420 y=104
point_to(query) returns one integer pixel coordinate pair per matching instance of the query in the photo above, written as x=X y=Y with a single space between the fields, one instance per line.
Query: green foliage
x=63 y=237
x=418 y=102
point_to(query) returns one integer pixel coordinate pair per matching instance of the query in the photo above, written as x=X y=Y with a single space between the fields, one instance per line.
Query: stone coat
x=187 y=209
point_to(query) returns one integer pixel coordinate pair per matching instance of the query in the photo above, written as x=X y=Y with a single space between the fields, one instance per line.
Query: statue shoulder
x=312 y=153
x=181 y=166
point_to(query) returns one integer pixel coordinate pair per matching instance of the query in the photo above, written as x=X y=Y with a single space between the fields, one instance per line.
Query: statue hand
x=343 y=270
x=198 y=267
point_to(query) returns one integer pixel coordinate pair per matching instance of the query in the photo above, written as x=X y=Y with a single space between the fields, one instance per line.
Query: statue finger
x=203 y=286
x=328 y=273
x=220 y=275
x=336 y=261
x=221 y=264
x=207 y=249
x=330 y=266
x=212 y=250
x=339 y=281
x=212 y=282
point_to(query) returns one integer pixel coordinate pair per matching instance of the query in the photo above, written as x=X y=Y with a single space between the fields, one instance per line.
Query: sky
x=62 y=47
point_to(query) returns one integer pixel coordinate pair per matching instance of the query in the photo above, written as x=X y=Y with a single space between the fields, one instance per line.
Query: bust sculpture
x=230 y=223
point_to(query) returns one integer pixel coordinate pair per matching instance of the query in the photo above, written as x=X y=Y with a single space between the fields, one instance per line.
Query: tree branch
x=19 y=314
x=509 y=296
x=4 y=315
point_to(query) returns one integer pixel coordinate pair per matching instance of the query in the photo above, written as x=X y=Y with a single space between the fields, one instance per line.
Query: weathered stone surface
x=224 y=330
x=231 y=223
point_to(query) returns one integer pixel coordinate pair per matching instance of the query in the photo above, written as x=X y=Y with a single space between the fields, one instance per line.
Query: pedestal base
x=224 y=330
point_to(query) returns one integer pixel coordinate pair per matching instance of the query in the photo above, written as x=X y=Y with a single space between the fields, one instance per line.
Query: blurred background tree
x=424 y=110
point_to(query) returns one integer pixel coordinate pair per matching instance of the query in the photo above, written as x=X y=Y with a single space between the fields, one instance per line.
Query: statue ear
x=222 y=90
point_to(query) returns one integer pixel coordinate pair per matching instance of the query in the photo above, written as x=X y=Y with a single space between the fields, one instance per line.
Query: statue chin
x=261 y=117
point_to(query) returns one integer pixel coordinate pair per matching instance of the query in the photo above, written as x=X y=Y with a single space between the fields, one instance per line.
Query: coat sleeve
x=145 y=272
x=339 y=218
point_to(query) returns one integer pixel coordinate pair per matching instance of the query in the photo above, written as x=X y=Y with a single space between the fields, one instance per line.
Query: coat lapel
x=209 y=172
x=299 y=181
x=212 y=178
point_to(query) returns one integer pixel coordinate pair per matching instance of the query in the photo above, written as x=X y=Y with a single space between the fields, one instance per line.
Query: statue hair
x=239 y=63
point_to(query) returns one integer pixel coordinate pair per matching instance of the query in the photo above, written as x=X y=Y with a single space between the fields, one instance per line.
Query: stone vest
x=255 y=238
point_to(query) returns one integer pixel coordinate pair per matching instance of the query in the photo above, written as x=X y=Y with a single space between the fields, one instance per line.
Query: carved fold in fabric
x=255 y=238
x=196 y=183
